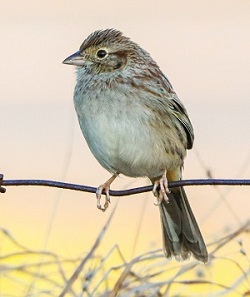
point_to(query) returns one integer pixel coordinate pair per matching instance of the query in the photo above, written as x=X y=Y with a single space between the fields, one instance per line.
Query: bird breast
x=123 y=133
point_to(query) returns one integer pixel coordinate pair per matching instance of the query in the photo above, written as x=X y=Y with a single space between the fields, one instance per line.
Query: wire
x=133 y=191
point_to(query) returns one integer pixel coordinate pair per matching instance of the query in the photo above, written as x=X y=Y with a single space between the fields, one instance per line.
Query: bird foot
x=160 y=189
x=104 y=188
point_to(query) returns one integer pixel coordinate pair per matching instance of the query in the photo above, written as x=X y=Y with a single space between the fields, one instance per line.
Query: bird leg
x=104 y=187
x=163 y=190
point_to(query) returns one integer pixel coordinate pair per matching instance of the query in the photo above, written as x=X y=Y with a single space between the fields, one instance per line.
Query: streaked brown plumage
x=135 y=124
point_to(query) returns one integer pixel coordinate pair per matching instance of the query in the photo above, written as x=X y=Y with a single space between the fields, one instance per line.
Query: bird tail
x=181 y=234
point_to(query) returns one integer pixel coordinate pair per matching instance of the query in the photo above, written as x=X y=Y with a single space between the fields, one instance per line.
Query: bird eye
x=101 y=53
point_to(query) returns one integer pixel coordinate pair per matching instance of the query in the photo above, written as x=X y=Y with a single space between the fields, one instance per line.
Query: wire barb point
x=2 y=189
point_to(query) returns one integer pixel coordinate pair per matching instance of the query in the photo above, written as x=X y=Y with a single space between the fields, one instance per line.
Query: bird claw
x=105 y=188
x=100 y=189
x=163 y=190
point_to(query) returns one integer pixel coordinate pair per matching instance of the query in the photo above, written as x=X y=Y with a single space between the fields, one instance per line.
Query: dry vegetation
x=39 y=273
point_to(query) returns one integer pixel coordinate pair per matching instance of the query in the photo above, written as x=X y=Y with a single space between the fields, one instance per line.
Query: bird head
x=107 y=51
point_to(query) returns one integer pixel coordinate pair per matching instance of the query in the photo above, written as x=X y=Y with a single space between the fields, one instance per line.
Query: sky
x=203 y=48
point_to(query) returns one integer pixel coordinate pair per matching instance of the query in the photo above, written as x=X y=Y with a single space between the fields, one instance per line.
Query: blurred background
x=202 y=46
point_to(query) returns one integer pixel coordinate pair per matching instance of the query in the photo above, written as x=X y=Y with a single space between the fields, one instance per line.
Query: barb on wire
x=2 y=189
x=83 y=188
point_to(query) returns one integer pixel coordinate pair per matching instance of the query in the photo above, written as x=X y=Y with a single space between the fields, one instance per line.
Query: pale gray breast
x=124 y=133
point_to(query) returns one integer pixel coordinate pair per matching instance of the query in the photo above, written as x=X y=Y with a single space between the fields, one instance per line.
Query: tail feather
x=181 y=234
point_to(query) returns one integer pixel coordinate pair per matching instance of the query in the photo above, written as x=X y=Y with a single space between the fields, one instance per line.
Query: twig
x=79 y=268
x=75 y=187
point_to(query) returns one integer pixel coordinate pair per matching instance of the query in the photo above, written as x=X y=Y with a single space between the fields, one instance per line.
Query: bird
x=135 y=125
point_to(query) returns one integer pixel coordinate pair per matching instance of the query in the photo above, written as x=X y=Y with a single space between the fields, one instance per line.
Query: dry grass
x=25 y=272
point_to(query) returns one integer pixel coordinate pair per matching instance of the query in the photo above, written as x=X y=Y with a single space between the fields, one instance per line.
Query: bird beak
x=76 y=59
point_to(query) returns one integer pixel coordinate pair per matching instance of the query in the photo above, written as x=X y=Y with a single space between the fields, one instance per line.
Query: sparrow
x=135 y=125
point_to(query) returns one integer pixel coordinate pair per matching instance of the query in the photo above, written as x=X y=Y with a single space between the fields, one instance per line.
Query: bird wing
x=179 y=111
